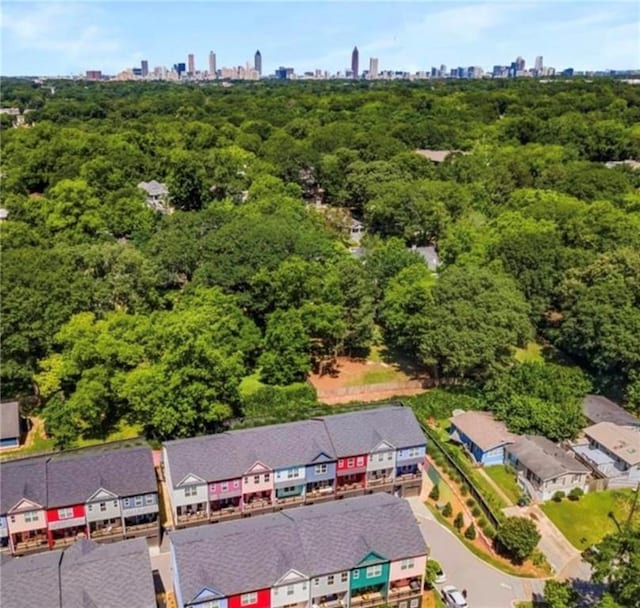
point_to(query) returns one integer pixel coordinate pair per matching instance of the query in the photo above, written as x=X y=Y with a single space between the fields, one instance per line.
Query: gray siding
x=111 y=511
x=324 y=588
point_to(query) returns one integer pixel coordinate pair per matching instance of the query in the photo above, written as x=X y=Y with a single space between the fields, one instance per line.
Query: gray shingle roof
x=74 y=478
x=251 y=554
x=154 y=188
x=360 y=432
x=25 y=478
x=30 y=581
x=544 y=458
x=107 y=575
x=483 y=429
x=600 y=409
x=623 y=441
x=230 y=455
x=9 y=420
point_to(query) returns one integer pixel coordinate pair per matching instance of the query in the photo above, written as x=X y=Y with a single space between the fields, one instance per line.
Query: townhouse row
x=105 y=494
x=357 y=553
x=264 y=469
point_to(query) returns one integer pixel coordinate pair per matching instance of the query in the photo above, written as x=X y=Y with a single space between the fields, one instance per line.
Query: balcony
x=257 y=504
x=225 y=513
x=193 y=517
x=290 y=500
x=408 y=477
x=366 y=600
x=106 y=532
x=405 y=589
x=380 y=481
x=350 y=487
x=337 y=601
x=31 y=545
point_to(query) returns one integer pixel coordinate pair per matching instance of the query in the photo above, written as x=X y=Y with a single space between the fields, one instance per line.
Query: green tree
x=470 y=532
x=560 y=594
x=447 y=510
x=517 y=537
x=186 y=182
x=435 y=493
x=458 y=522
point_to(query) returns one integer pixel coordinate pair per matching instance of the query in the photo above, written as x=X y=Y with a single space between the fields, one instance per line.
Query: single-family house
x=10 y=427
x=262 y=469
x=356 y=230
x=597 y=408
x=483 y=437
x=613 y=452
x=543 y=468
x=429 y=255
x=365 y=550
x=85 y=574
x=157 y=196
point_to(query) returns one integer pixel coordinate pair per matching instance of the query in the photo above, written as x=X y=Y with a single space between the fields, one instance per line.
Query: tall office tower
x=212 y=64
x=538 y=64
x=144 y=68
x=354 y=62
x=257 y=63
x=443 y=71
x=373 y=68
x=520 y=63
x=191 y=60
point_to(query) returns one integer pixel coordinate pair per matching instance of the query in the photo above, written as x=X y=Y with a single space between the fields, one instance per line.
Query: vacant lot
x=586 y=521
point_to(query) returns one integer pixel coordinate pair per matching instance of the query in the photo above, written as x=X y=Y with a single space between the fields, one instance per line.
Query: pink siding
x=419 y=566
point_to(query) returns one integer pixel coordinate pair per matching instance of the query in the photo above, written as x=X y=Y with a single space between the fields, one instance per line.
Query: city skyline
x=66 y=38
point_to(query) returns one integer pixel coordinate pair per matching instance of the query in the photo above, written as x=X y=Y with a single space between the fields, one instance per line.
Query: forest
x=113 y=312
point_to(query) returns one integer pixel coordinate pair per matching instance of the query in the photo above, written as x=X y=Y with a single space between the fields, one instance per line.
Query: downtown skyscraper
x=257 y=63
x=212 y=64
x=354 y=62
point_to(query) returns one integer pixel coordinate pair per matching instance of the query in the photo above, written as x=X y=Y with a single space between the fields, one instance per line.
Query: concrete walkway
x=487 y=586
x=564 y=558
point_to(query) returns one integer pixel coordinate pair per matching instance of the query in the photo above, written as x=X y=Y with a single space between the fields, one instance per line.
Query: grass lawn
x=506 y=480
x=123 y=432
x=532 y=352
x=377 y=376
x=490 y=495
x=586 y=521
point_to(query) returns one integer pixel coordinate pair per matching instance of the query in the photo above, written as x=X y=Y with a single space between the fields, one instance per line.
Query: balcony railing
x=189 y=517
x=287 y=500
x=380 y=481
x=368 y=599
x=260 y=503
x=105 y=532
x=139 y=527
x=38 y=543
x=349 y=487
x=339 y=603
x=408 y=477
x=406 y=591
x=320 y=492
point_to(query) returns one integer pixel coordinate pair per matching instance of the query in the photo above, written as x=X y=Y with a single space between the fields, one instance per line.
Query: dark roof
x=230 y=455
x=107 y=575
x=32 y=580
x=361 y=432
x=544 y=458
x=24 y=478
x=86 y=575
x=9 y=420
x=483 y=429
x=251 y=554
x=600 y=409
x=73 y=478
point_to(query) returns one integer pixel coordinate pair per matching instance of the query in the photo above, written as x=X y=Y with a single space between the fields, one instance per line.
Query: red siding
x=264 y=600
x=52 y=514
x=343 y=463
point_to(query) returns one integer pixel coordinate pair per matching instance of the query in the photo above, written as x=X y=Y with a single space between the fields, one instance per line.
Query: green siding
x=360 y=580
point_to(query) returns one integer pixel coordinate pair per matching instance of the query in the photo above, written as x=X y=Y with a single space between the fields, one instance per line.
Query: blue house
x=484 y=437
x=9 y=425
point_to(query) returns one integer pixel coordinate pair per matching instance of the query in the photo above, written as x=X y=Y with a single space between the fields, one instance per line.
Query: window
x=360 y=461
x=330 y=579
x=224 y=486
x=13 y=519
x=350 y=462
x=256 y=479
x=29 y=516
x=406 y=564
x=190 y=491
x=210 y=604
x=320 y=468
x=413 y=452
x=248 y=598
x=236 y=483
x=292 y=474
x=290 y=590
x=414 y=603
x=115 y=504
x=126 y=502
x=103 y=507
x=150 y=499
x=90 y=507
x=246 y=480
x=267 y=477
x=65 y=513
x=389 y=455
x=356 y=574
x=316 y=582
x=139 y=500
x=374 y=571
x=344 y=577
x=341 y=462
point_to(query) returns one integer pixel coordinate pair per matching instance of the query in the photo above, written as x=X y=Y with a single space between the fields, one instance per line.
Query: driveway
x=487 y=587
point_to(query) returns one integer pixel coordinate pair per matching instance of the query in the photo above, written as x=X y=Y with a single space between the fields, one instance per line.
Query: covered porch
x=22 y=543
x=192 y=513
x=365 y=597
x=353 y=481
x=335 y=600
x=405 y=588
x=106 y=528
x=257 y=500
x=62 y=537
x=379 y=478
x=224 y=507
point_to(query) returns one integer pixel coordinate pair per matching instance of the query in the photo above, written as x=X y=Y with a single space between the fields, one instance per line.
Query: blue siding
x=411 y=454
x=313 y=476
x=490 y=457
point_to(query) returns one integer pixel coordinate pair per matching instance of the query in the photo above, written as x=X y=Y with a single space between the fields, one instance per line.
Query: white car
x=453 y=598
x=441 y=577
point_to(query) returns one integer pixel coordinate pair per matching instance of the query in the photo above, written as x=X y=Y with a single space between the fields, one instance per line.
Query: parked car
x=441 y=577
x=453 y=598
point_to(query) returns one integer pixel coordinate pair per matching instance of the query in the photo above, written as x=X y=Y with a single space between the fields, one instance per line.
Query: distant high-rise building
x=257 y=63
x=539 y=64
x=212 y=64
x=191 y=60
x=93 y=75
x=354 y=62
x=180 y=68
x=520 y=64
x=144 y=68
x=373 y=68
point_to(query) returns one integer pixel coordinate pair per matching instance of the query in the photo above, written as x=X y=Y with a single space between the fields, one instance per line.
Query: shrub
x=435 y=493
x=447 y=510
x=558 y=496
x=517 y=537
x=433 y=569
x=464 y=490
x=470 y=502
x=575 y=494
x=458 y=522
x=475 y=511
x=482 y=521
x=470 y=532
x=538 y=558
x=489 y=532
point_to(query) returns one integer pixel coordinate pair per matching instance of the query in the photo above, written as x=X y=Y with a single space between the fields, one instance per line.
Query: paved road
x=487 y=587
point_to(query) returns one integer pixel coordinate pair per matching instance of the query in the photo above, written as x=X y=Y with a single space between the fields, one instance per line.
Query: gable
x=258 y=467
x=25 y=505
x=383 y=446
x=191 y=480
x=293 y=576
x=102 y=494
x=321 y=457
x=372 y=558
x=207 y=593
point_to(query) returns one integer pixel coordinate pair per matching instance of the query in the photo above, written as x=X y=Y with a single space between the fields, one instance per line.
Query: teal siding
x=359 y=579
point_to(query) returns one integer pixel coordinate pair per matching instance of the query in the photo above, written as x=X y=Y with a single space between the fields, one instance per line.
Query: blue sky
x=67 y=37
